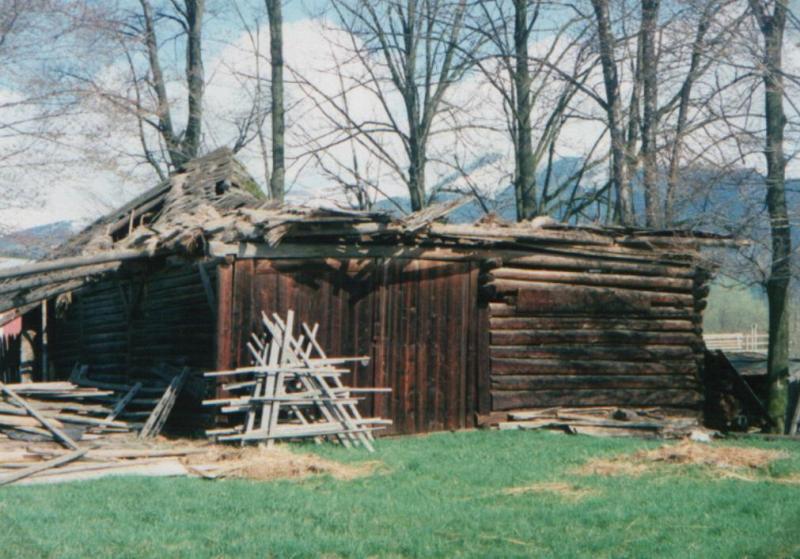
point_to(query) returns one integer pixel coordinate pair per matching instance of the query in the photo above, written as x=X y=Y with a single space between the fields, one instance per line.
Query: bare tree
x=612 y=104
x=32 y=122
x=415 y=49
x=649 y=71
x=544 y=83
x=181 y=146
x=771 y=17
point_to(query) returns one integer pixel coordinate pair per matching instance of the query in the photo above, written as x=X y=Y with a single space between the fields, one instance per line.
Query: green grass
x=438 y=496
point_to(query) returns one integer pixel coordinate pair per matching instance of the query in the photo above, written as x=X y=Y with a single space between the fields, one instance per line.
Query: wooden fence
x=738 y=342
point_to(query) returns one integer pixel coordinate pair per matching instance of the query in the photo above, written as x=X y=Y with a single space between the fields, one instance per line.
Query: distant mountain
x=35 y=242
x=503 y=202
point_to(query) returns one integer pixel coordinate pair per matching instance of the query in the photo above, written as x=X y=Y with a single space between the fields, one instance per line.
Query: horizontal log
x=612 y=382
x=568 y=299
x=509 y=400
x=597 y=263
x=506 y=308
x=505 y=366
x=679 y=285
x=572 y=323
x=591 y=351
x=40 y=294
x=75 y=262
x=59 y=276
x=571 y=236
x=531 y=337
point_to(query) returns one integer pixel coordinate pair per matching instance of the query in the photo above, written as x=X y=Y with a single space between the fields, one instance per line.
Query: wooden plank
x=529 y=337
x=550 y=382
x=595 y=263
x=508 y=308
x=65 y=439
x=120 y=406
x=485 y=351
x=678 y=285
x=471 y=326
x=44 y=466
x=579 y=323
x=155 y=422
x=145 y=467
x=502 y=366
x=644 y=352
x=509 y=400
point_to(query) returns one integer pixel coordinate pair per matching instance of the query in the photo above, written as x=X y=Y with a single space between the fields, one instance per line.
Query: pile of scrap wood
x=23 y=465
x=604 y=422
x=83 y=409
x=293 y=390
x=86 y=412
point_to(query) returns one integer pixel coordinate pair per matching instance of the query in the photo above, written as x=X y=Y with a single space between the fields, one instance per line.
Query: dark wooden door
x=416 y=320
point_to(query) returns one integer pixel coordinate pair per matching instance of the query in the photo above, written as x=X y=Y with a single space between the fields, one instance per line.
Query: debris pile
x=721 y=461
x=603 y=421
x=84 y=409
x=293 y=390
x=90 y=412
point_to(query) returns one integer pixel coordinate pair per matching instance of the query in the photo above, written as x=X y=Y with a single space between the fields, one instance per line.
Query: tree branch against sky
x=415 y=50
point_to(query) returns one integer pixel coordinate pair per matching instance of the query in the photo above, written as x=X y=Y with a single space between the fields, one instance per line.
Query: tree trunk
x=772 y=27
x=652 y=195
x=683 y=117
x=194 y=79
x=525 y=180
x=416 y=171
x=277 y=180
x=180 y=149
x=624 y=203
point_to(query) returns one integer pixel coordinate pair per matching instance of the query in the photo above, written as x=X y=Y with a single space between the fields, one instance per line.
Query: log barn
x=462 y=322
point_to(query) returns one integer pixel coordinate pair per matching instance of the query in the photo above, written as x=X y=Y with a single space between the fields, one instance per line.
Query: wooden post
x=45 y=371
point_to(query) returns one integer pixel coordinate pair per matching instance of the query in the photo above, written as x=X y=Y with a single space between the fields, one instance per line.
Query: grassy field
x=443 y=495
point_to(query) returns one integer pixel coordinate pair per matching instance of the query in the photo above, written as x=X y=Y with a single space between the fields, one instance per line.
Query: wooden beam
x=43 y=466
x=44 y=356
x=76 y=262
x=59 y=434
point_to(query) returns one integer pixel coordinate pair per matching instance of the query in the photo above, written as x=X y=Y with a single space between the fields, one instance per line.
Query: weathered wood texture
x=415 y=319
x=130 y=324
x=126 y=327
x=594 y=332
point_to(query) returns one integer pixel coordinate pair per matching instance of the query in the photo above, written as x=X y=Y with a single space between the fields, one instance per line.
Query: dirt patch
x=722 y=461
x=277 y=463
x=565 y=490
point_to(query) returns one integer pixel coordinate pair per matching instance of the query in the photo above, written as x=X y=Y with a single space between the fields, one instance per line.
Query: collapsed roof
x=212 y=207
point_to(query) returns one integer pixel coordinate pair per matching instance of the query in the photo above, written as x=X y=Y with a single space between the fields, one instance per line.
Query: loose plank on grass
x=59 y=434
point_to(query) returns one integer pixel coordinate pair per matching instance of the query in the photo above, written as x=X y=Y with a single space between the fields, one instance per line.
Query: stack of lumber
x=66 y=413
x=603 y=421
x=85 y=409
x=293 y=391
x=66 y=405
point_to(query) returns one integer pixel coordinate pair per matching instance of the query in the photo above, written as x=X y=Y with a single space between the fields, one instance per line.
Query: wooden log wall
x=126 y=325
x=416 y=320
x=603 y=326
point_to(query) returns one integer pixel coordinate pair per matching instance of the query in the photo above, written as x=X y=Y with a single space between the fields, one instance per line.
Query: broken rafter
x=75 y=262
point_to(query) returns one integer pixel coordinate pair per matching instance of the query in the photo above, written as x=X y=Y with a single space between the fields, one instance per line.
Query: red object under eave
x=12 y=328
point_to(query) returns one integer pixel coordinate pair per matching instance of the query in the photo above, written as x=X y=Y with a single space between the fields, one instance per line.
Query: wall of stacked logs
x=131 y=323
x=609 y=326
